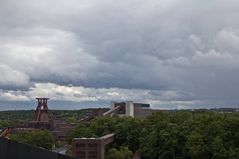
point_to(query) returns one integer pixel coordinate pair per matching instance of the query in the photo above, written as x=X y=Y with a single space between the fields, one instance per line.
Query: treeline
x=165 y=135
x=41 y=138
x=174 y=135
x=18 y=117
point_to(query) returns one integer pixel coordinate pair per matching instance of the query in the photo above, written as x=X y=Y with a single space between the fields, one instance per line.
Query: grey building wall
x=141 y=112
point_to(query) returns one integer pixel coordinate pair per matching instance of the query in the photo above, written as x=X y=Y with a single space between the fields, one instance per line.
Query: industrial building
x=82 y=148
x=91 y=148
x=130 y=108
x=94 y=148
x=43 y=119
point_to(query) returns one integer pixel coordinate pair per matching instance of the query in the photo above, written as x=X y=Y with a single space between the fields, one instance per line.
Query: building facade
x=129 y=108
x=91 y=148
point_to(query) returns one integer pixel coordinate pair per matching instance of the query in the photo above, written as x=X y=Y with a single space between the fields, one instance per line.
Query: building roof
x=14 y=150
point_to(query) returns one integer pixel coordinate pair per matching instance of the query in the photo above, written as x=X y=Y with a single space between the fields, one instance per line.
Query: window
x=80 y=145
x=92 y=145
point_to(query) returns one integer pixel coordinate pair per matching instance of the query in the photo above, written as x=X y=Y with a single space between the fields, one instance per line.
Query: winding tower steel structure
x=42 y=113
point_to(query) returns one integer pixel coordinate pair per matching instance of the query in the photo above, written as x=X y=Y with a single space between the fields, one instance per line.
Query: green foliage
x=81 y=130
x=170 y=135
x=73 y=115
x=18 y=117
x=192 y=135
x=37 y=138
x=196 y=146
x=127 y=130
x=123 y=153
x=165 y=135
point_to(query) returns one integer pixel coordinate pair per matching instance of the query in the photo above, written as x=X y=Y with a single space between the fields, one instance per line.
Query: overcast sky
x=172 y=54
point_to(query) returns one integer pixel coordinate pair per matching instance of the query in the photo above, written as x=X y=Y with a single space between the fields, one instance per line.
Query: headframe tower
x=42 y=113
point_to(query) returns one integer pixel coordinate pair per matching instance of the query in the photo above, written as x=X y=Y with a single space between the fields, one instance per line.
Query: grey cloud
x=185 y=49
x=11 y=78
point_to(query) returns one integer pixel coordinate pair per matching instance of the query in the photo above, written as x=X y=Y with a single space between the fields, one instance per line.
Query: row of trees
x=18 y=117
x=182 y=135
x=41 y=138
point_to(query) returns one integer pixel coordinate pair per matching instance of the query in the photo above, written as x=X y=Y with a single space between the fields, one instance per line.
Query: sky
x=172 y=54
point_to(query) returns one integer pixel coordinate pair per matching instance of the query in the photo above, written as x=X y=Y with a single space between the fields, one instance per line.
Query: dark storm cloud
x=180 y=52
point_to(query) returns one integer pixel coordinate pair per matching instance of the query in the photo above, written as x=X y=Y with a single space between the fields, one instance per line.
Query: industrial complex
x=82 y=148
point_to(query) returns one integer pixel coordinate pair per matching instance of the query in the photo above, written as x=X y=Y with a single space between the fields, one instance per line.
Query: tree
x=218 y=149
x=82 y=130
x=196 y=146
x=170 y=135
x=36 y=138
x=123 y=153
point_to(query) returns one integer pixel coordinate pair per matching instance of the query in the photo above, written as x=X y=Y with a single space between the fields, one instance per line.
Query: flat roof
x=99 y=138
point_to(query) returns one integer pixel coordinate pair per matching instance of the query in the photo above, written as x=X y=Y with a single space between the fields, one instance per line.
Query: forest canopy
x=164 y=135
x=170 y=135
